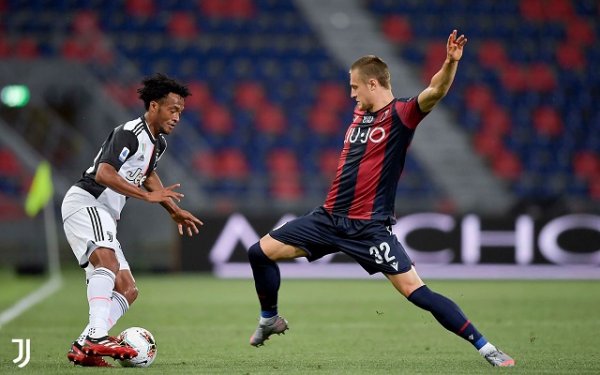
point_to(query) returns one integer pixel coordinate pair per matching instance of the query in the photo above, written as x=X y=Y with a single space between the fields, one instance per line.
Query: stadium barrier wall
x=441 y=245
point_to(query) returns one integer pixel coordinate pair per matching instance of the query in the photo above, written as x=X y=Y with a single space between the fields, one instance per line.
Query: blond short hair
x=371 y=66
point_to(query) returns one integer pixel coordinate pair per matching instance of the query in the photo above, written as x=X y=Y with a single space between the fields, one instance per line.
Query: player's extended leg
x=262 y=256
x=448 y=314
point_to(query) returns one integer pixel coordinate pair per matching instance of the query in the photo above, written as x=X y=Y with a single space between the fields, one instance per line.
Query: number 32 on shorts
x=382 y=253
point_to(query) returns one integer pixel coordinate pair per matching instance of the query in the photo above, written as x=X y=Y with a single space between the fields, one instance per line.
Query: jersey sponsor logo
x=135 y=177
x=363 y=135
x=123 y=155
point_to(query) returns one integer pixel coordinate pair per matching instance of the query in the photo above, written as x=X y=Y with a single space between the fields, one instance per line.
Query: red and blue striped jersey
x=372 y=161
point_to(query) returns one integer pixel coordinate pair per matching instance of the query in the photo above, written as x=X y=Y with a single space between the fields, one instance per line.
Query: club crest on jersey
x=123 y=155
x=368 y=119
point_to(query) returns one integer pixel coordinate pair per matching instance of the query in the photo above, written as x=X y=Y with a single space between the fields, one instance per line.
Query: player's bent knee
x=256 y=255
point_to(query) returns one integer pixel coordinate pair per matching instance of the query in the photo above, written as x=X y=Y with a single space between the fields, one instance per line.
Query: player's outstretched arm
x=442 y=80
x=183 y=218
x=107 y=175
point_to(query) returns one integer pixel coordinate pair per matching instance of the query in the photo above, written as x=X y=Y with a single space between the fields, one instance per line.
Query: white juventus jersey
x=133 y=151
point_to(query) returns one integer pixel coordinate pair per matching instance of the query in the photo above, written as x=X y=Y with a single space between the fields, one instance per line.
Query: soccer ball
x=141 y=340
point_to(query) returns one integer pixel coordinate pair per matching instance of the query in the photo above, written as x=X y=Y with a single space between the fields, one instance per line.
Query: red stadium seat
x=85 y=22
x=495 y=120
x=204 y=163
x=9 y=164
x=140 y=8
x=286 y=188
x=397 y=28
x=249 y=95
x=200 y=97
x=270 y=119
x=570 y=56
x=72 y=50
x=541 y=78
x=514 y=78
x=507 y=166
x=5 y=47
x=282 y=161
x=558 y=10
x=26 y=48
x=333 y=95
x=547 y=121
x=243 y=9
x=492 y=55
x=586 y=164
x=532 y=10
x=488 y=144
x=231 y=164
x=182 y=25
x=580 y=32
x=323 y=121
x=478 y=97
x=10 y=209
x=547 y=10
x=217 y=120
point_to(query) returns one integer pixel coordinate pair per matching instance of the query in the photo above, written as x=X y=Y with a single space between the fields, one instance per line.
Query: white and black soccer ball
x=141 y=340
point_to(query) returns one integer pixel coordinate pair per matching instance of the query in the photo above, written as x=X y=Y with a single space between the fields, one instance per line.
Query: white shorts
x=90 y=228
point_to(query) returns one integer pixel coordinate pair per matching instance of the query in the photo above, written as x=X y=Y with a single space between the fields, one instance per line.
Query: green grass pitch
x=202 y=326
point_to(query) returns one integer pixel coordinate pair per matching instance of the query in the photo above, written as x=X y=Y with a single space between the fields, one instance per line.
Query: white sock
x=486 y=349
x=118 y=308
x=99 y=292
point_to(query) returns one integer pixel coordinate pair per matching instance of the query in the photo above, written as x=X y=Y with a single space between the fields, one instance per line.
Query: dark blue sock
x=448 y=314
x=266 y=280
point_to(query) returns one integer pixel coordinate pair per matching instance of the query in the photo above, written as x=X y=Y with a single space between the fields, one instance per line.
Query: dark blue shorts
x=370 y=242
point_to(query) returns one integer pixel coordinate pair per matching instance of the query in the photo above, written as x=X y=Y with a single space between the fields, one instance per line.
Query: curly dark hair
x=158 y=87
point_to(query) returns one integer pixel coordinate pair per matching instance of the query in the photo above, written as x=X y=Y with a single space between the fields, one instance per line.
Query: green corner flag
x=41 y=190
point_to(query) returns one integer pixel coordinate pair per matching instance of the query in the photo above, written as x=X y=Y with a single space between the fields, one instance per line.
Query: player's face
x=361 y=90
x=164 y=114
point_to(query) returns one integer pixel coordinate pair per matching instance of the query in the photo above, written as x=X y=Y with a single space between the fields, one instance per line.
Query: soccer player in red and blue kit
x=358 y=213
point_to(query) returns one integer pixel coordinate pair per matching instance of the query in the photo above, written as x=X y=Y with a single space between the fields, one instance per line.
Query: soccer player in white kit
x=126 y=162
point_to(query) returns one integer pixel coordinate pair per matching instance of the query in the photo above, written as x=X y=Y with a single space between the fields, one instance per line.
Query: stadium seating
x=263 y=85
x=268 y=101
x=14 y=182
x=525 y=87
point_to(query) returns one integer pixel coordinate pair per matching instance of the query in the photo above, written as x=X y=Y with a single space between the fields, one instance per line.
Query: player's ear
x=372 y=84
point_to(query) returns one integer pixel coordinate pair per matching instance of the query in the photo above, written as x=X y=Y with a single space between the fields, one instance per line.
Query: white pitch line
x=37 y=296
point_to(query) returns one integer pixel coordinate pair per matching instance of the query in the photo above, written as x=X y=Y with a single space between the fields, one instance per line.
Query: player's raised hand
x=455 y=46
x=185 y=219
x=165 y=194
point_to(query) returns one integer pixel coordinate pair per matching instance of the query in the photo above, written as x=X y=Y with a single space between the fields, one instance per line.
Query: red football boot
x=78 y=357
x=108 y=346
